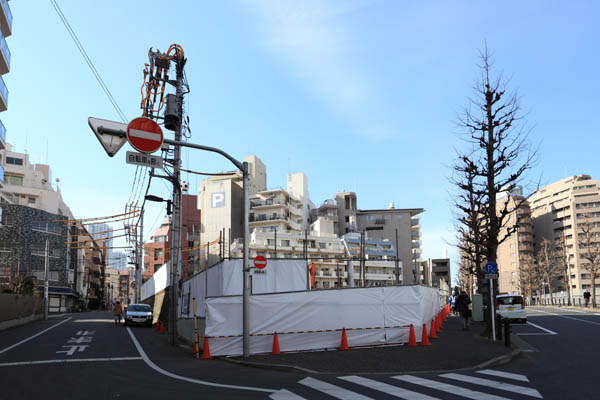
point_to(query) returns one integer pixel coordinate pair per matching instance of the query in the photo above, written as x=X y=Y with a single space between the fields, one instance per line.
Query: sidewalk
x=453 y=349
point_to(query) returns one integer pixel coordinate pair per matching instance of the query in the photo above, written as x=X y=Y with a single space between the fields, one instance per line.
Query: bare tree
x=548 y=265
x=500 y=155
x=562 y=257
x=529 y=276
x=588 y=240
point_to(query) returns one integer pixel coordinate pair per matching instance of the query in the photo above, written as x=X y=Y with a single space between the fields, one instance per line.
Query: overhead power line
x=88 y=60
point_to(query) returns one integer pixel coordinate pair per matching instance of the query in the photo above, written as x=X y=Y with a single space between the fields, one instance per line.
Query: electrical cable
x=88 y=60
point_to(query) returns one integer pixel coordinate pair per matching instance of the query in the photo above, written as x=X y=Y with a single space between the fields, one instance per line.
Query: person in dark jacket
x=462 y=306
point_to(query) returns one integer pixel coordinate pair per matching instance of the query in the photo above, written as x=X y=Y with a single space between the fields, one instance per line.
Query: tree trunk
x=593 y=276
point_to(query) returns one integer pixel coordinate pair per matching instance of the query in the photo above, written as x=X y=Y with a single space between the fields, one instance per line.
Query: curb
x=294 y=368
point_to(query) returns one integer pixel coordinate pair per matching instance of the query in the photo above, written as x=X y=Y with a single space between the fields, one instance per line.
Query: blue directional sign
x=491 y=268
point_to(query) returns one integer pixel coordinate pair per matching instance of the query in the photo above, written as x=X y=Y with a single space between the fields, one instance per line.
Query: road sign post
x=491 y=270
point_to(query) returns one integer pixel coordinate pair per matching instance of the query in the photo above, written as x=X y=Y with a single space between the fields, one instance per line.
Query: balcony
x=5 y=58
x=3 y=95
x=5 y=19
x=1 y=176
x=2 y=136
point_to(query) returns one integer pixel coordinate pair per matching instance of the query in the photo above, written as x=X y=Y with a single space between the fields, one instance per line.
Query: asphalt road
x=87 y=356
x=561 y=351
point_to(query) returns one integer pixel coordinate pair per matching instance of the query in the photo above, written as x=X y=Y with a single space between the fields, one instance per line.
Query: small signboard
x=145 y=160
x=491 y=268
x=260 y=262
x=144 y=135
x=491 y=276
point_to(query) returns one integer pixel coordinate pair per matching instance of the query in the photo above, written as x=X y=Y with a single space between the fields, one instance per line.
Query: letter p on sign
x=217 y=199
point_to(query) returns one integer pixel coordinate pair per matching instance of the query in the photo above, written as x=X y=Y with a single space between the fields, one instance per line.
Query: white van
x=511 y=306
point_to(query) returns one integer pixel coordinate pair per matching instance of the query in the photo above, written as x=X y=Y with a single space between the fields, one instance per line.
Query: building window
x=285 y=243
x=31 y=200
x=270 y=242
x=322 y=245
x=10 y=179
x=8 y=219
x=347 y=218
x=14 y=161
x=5 y=246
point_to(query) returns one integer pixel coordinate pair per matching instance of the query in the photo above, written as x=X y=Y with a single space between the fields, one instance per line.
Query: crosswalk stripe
x=386 y=388
x=284 y=394
x=493 y=384
x=503 y=374
x=444 y=387
x=332 y=390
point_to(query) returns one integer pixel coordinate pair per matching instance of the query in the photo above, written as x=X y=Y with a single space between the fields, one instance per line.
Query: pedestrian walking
x=586 y=297
x=118 y=311
x=462 y=306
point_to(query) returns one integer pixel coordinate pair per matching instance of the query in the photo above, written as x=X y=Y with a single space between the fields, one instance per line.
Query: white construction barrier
x=157 y=283
x=226 y=279
x=314 y=319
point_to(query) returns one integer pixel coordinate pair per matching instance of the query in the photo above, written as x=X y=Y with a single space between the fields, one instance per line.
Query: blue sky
x=359 y=95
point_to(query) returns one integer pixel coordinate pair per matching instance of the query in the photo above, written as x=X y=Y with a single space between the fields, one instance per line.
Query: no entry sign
x=144 y=135
x=260 y=262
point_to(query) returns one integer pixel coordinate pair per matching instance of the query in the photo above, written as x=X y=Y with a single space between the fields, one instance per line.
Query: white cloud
x=312 y=39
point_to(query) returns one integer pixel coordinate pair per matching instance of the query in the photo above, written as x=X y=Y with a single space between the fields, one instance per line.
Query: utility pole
x=176 y=218
x=46 y=281
x=140 y=263
x=396 y=259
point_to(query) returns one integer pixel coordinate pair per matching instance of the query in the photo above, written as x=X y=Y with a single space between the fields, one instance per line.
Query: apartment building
x=518 y=248
x=158 y=249
x=5 y=31
x=111 y=285
x=125 y=291
x=375 y=260
x=557 y=211
x=436 y=270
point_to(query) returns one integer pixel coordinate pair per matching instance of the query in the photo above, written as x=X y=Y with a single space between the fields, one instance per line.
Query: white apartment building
x=557 y=211
x=30 y=184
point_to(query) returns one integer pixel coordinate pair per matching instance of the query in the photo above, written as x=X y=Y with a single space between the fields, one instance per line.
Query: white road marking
x=573 y=318
x=542 y=328
x=81 y=339
x=95 y=320
x=386 y=388
x=332 y=390
x=503 y=374
x=34 y=336
x=495 y=385
x=284 y=394
x=73 y=349
x=68 y=360
x=85 y=333
x=533 y=334
x=444 y=387
x=186 y=379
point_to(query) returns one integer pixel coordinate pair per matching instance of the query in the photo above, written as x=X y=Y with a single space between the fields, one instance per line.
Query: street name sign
x=110 y=143
x=145 y=160
x=260 y=262
x=144 y=135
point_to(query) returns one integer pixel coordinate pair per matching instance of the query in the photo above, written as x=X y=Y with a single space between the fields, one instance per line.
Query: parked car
x=511 y=306
x=138 y=314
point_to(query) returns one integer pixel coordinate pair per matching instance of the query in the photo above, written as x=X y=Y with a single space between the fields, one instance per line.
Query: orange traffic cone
x=432 y=332
x=412 y=341
x=424 y=339
x=275 y=344
x=344 y=344
x=162 y=328
x=205 y=350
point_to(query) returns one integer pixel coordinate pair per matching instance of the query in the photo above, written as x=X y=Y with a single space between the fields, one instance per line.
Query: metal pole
x=176 y=219
x=397 y=269
x=140 y=263
x=492 y=305
x=196 y=338
x=245 y=267
x=46 y=281
x=275 y=242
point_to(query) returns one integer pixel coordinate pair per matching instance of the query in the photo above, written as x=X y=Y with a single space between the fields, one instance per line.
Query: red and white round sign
x=144 y=135
x=260 y=262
